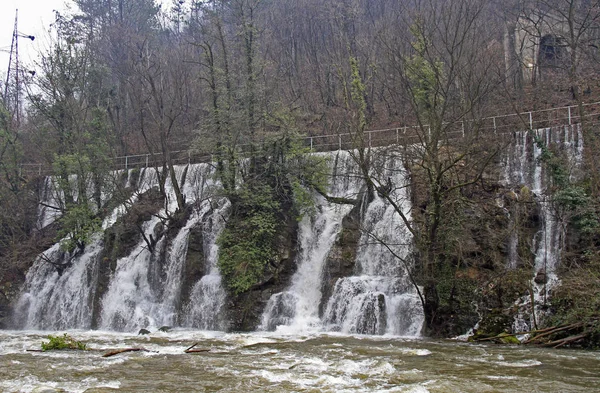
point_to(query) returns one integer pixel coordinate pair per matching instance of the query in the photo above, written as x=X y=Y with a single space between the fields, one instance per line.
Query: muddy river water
x=267 y=362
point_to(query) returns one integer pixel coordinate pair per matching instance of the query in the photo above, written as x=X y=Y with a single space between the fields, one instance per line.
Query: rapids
x=270 y=362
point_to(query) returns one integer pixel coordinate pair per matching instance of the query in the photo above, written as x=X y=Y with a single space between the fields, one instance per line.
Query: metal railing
x=403 y=135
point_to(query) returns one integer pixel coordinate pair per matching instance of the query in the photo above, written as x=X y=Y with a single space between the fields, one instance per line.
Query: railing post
x=147 y=156
x=39 y=169
x=189 y=157
x=463 y=128
x=370 y=139
x=494 y=119
x=340 y=141
x=311 y=143
x=531 y=120
x=397 y=136
x=126 y=162
x=569 y=115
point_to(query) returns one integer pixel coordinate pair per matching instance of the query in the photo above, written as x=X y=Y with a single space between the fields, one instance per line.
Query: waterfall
x=298 y=307
x=49 y=206
x=51 y=300
x=379 y=298
x=145 y=288
x=63 y=297
x=523 y=167
x=204 y=309
x=131 y=301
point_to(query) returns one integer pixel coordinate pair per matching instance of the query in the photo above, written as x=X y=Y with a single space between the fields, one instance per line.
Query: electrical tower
x=14 y=76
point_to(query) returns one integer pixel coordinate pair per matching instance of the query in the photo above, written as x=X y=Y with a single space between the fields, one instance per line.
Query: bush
x=248 y=244
x=65 y=341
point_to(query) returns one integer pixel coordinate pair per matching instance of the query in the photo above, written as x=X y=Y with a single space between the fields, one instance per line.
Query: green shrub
x=65 y=341
x=247 y=246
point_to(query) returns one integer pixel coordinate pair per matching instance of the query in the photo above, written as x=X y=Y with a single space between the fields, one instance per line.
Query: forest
x=242 y=83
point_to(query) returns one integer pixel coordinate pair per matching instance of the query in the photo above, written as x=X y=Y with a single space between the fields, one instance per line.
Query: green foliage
x=357 y=94
x=571 y=198
x=579 y=203
x=11 y=153
x=423 y=74
x=577 y=299
x=278 y=184
x=456 y=291
x=65 y=341
x=554 y=164
x=247 y=246
x=79 y=223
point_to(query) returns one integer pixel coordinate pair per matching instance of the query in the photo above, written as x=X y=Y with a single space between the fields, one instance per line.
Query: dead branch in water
x=553 y=330
x=199 y=350
x=119 y=351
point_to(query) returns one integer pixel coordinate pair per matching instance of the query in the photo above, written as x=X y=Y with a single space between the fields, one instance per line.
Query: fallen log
x=192 y=350
x=565 y=341
x=123 y=350
x=556 y=329
x=198 y=350
x=498 y=337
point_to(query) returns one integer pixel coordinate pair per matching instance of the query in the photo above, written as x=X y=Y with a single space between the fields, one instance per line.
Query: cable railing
x=402 y=135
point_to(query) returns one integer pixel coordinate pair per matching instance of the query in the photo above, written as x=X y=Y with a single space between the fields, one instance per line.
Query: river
x=271 y=362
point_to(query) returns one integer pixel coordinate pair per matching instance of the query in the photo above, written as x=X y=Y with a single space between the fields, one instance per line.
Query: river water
x=270 y=362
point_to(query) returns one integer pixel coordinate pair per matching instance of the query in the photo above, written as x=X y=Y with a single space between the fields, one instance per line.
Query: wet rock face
x=4 y=313
x=120 y=239
x=341 y=260
x=245 y=310
x=195 y=264
x=541 y=278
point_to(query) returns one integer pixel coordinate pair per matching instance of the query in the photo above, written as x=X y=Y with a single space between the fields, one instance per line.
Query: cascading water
x=145 y=288
x=145 y=292
x=298 y=307
x=53 y=300
x=49 y=207
x=204 y=309
x=524 y=167
x=60 y=287
x=380 y=298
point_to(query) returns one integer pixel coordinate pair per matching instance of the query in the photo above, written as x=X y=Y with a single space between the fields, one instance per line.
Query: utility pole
x=12 y=88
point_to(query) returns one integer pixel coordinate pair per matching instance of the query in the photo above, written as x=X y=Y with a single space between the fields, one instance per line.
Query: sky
x=35 y=17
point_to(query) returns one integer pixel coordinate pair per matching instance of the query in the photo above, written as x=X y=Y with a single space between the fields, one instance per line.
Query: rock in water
x=143 y=332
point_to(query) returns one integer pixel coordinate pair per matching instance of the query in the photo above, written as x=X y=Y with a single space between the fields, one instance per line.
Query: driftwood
x=544 y=333
x=118 y=351
x=199 y=350
x=565 y=341
x=553 y=330
x=498 y=337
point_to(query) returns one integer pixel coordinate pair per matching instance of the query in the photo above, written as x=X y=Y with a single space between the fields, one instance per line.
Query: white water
x=380 y=299
x=523 y=167
x=50 y=300
x=205 y=307
x=145 y=288
x=298 y=308
x=53 y=299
